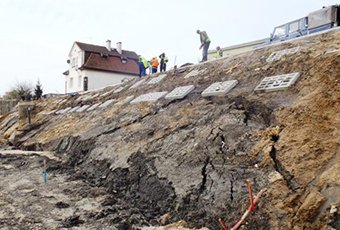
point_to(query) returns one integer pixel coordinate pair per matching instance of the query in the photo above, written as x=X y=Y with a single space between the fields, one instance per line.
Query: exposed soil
x=184 y=164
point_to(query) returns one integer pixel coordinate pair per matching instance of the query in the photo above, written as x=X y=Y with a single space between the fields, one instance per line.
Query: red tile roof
x=111 y=64
x=103 y=50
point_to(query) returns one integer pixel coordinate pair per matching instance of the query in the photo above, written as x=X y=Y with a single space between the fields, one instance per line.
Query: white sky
x=36 y=35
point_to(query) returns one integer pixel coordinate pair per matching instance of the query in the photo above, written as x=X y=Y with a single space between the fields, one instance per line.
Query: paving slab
x=93 y=107
x=107 y=103
x=150 y=97
x=83 y=108
x=278 y=82
x=138 y=83
x=219 y=88
x=180 y=92
x=156 y=80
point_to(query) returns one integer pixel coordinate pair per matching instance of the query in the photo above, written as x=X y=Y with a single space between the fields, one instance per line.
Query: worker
x=205 y=42
x=154 y=64
x=164 y=60
x=143 y=64
x=219 y=52
x=149 y=67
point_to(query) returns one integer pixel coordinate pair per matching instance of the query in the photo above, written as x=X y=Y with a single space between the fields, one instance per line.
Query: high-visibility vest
x=154 y=63
x=144 y=61
x=219 y=53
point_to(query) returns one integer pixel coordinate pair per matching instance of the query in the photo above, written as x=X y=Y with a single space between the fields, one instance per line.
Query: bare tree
x=21 y=90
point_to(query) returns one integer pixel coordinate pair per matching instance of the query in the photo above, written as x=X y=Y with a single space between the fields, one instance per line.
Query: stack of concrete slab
x=150 y=97
x=219 y=88
x=278 y=82
x=179 y=92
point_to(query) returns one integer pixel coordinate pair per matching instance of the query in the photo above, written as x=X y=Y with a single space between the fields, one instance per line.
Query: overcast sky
x=36 y=35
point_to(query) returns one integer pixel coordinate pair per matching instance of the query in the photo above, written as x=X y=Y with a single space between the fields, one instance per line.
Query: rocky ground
x=186 y=162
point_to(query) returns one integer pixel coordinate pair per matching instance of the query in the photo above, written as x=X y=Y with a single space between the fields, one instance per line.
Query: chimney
x=108 y=45
x=119 y=47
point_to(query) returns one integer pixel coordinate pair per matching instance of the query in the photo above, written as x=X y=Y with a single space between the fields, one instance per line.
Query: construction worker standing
x=164 y=60
x=205 y=42
x=143 y=64
x=219 y=52
x=154 y=64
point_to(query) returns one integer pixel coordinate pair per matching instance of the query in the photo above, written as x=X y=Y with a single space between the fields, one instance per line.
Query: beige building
x=237 y=49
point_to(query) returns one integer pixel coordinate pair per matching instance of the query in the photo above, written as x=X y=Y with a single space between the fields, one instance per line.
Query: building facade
x=93 y=67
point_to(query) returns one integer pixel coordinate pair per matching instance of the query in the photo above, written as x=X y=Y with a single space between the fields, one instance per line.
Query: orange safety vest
x=154 y=63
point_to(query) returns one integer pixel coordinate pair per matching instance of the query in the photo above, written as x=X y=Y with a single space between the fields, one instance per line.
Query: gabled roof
x=111 y=64
x=103 y=50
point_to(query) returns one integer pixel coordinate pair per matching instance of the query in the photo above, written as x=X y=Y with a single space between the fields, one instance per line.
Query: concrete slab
x=194 y=73
x=51 y=112
x=93 y=107
x=277 y=55
x=126 y=100
x=156 y=80
x=119 y=89
x=150 y=97
x=138 y=83
x=279 y=82
x=219 y=88
x=107 y=103
x=83 y=108
x=73 y=109
x=65 y=110
x=179 y=92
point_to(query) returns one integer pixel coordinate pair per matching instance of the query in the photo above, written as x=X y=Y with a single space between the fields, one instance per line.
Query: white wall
x=76 y=57
x=97 y=80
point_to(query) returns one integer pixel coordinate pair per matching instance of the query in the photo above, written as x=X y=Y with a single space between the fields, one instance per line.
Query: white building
x=92 y=67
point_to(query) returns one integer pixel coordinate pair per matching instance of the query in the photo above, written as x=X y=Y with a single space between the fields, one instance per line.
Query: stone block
x=150 y=97
x=180 y=92
x=219 y=88
x=107 y=103
x=279 y=82
x=156 y=80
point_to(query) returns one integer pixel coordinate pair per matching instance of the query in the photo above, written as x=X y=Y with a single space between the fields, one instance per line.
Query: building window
x=74 y=62
x=86 y=84
x=71 y=83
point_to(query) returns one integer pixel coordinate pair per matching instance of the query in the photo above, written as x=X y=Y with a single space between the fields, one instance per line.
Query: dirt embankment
x=133 y=166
